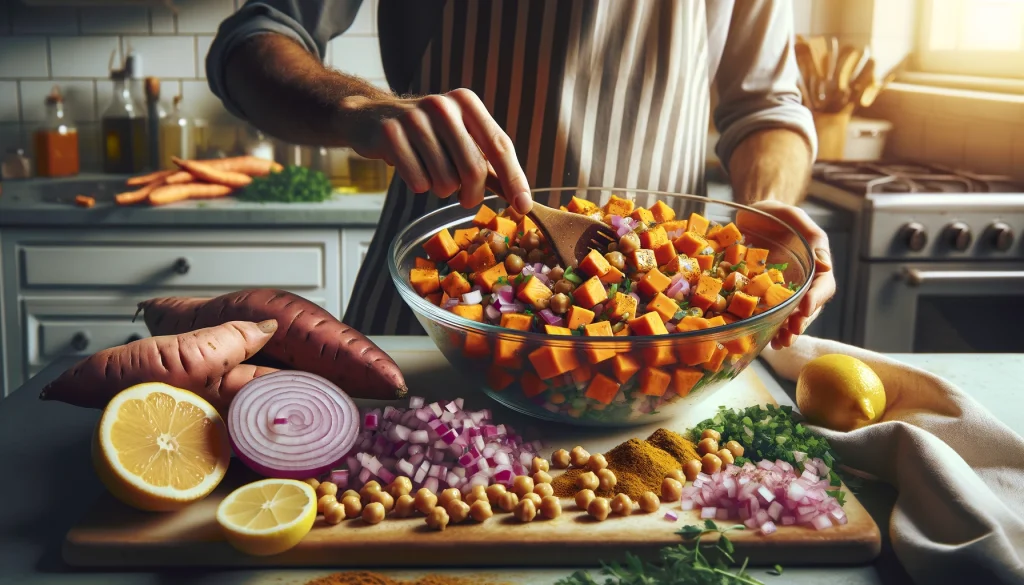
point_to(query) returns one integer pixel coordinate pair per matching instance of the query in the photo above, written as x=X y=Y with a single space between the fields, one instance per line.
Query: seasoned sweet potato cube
x=613 y=276
x=618 y=206
x=471 y=312
x=728 y=235
x=735 y=253
x=455 y=285
x=716 y=321
x=424 y=280
x=693 y=353
x=742 y=305
x=714 y=246
x=594 y=264
x=653 y=238
x=507 y=352
x=590 y=293
x=776 y=294
x=599 y=329
x=556 y=330
x=664 y=306
x=648 y=324
x=582 y=374
x=658 y=355
x=483 y=216
x=756 y=260
x=503 y=226
x=654 y=382
x=602 y=389
x=653 y=283
x=758 y=285
x=553 y=361
x=776 y=275
x=533 y=291
x=581 y=206
x=624 y=332
x=460 y=262
x=424 y=263
x=476 y=346
x=434 y=298
x=624 y=366
x=684 y=379
x=643 y=260
x=708 y=286
x=715 y=363
x=578 y=316
x=697 y=224
x=662 y=212
x=482 y=259
x=620 y=306
x=463 y=238
x=664 y=253
x=703 y=302
x=642 y=215
x=532 y=385
x=739 y=346
x=705 y=261
x=498 y=379
x=690 y=244
x=489 y=278
x=735 y=281
x=440 y=247
x=525 y=225
x=688 y=267
x=677 y=225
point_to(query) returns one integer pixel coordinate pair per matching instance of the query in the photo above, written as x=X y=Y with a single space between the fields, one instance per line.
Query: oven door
x=942 y=307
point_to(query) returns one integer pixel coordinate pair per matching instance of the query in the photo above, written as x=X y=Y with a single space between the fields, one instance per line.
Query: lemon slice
x=267 y=517
x=160 y=448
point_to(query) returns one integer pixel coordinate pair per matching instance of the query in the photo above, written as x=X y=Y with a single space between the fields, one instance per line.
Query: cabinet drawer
x=58 y=338
x=300 y=266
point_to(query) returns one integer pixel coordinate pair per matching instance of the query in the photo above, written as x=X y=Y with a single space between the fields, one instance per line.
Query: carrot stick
x=207 y=173
x=132 y=197
x=246 y=165
x=84 y=201
x=145 y=179
x=174 y=193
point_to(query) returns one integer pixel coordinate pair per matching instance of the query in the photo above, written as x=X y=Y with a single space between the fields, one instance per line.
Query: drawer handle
x=133 y=338
x=80 y=341
x=181 y=266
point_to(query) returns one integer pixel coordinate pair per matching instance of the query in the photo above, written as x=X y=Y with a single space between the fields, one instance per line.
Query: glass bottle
x=124 y=130
x=56 y=142
x=16 y=165
x=367 y=175
x=177 y=136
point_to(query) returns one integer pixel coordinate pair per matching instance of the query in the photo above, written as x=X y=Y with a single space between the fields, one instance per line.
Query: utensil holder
x=831 y=128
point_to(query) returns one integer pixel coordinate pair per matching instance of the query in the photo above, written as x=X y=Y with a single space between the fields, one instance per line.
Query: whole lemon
x=839 y=392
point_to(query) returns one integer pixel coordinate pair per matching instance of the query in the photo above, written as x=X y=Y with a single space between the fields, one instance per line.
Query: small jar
x=16 y=165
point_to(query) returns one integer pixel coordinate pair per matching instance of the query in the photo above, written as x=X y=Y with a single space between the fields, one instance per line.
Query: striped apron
x=591 y=92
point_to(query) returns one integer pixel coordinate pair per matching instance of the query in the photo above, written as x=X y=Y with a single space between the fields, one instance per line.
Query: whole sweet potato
x=309 y=338
x=205 y=361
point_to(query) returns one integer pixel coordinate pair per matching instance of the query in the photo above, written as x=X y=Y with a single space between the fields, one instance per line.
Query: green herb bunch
x=294 y=184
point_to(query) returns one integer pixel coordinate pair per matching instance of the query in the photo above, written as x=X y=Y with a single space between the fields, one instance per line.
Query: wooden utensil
x=808 y=71
x=571 y=235
x=870 y=93
x=848 y=59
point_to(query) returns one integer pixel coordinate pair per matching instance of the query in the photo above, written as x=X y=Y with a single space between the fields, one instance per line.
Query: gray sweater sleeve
x=758 y=80
x=311 y=23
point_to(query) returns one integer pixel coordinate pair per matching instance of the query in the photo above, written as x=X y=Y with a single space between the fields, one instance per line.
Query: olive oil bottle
x=124 y=130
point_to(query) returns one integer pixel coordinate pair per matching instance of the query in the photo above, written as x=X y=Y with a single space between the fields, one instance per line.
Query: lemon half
x=840 y=392
x=269 y=516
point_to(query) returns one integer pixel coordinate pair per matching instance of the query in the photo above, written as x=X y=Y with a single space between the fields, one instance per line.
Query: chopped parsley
x=627 y=286
x=571 y=276
x=780 y=267
x=737 y=266
x=793 y=286
x=502 y=280
x=612 y=290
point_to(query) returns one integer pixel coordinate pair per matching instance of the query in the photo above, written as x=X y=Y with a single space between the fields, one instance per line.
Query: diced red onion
x=340 y=478
x=708 y=512
x=432 y=484
x=821 y=522
x=671 y=327
x=615 y=220
x=768 y=528
x=671 y=516
x=549 y=317
x=474 y=297
x=451 y=303
x=598 y=308
x=635 y=296
x=622 y=230
x=491 y=313
x=788 y=520
x=679 y=286
x=687 y=504
x=543 y=278
x=280 y=421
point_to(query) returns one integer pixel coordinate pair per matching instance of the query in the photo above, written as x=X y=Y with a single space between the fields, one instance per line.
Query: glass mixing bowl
x=470 y=346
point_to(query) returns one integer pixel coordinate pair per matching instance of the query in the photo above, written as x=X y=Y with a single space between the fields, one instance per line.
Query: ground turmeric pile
x=369 y=578
x=639 y=465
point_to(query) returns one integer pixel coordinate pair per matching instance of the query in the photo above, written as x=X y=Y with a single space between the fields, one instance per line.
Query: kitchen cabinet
x=354 y=244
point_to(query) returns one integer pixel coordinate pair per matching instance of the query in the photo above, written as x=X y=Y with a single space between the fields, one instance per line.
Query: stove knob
x=1002 y=236
x=914 y=236
x=959 y=234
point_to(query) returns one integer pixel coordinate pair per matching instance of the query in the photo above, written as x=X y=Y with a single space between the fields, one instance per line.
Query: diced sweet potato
x=525 y=225
x=654 y=382
x=556 y=330
x=503 y=226
x=441 y=246
x=424 y=263
x=662 y=212
x=602 y=389
x=507 y=352
x=489 y=278
x=658 y=355
x=694 y=352
x=553 y=361
x=578 y=316
x=735 y=281
x=642 y=215
x=715 y=363
x=516 y=321
x=664 y=253
x=728 y=235
x=582 y=374
x=776 y=275
x=476 y=346
x=664 y=306
x=618 y=206
x=653 y=238
x=742 y=305
x=739 y=346
x=533 y=291
x=532 y=385
x=483 y=216
x=471 y=312
x=735 y=254
x=613 y=276
x=460 y=263
x=594 y=264
x=708 y=286
x=498 y=379
x=690 y=244
x=697 y=224
x=620 y=306
x=712 y=232
x=599 y=329
x=455 y=285
x=648 y=324
x=482 y=259
x=703 y=302
x=653 y=283
x=714 y=246
x=643 y=260
x=434 y=298
x=716 y=321
x=424 y=280
x=590 y=293
x=677 y=225
x=756 y=260
x=581 y=206
x=512 y=214
x=776 y=294
x=463 y=238
x=684 y=379
x=624 y=332
x=705 y=261
x=758 y=285
x=624 y=366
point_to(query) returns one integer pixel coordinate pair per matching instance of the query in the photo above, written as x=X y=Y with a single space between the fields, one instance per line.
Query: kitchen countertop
x=50 y=203
x=47 y=446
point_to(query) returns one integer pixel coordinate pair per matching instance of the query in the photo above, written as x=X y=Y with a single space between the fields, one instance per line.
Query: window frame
x=978 y=64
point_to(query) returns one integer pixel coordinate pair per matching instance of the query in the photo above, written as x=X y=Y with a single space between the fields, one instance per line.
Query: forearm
x=286 y=92
x=772 y=164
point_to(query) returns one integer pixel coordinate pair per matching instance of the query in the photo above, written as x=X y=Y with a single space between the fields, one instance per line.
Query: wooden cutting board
x=113 y=535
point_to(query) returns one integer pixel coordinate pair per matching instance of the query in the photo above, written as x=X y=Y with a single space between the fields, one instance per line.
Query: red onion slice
x=322 y=427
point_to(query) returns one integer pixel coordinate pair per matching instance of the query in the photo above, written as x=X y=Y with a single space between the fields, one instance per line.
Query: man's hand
x=440 y=143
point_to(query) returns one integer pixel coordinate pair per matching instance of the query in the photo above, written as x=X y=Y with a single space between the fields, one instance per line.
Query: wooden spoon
x=572 y=235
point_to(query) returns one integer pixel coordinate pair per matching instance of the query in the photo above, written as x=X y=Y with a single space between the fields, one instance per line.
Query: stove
x=937 y=261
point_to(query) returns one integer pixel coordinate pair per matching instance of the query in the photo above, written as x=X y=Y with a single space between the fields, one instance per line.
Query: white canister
x=865 y=139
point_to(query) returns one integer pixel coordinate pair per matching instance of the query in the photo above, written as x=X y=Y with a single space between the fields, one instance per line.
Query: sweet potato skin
x=308 y=338
x=205 y=361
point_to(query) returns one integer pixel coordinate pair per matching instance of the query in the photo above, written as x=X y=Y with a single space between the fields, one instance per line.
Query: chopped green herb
x=612 y=290
x=793 y=286
x=519 y=279
x=572 y=277
x=839 y=495
x=502 y=280
x=528 y=312
x=738 y=265
x=777 y=569
x=293 y=184
x=627 y=286
x=780 y=267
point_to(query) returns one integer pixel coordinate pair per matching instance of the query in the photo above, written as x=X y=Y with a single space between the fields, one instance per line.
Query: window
x=982 y=38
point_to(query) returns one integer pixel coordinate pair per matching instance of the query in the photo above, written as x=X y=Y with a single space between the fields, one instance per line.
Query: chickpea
x=457 y=511
x=599 y=509
x=534 y=256
x=353 y=506
x=616 y=259
x=530 y=241
x=473 y=247
x=649 y=502
x=711 y=434
x=706 y=446
x=405 y=506
x=334 y=513
x=597 y=462
x=560 y=459
x=539 y=464
x=563 y=287
x=641 y=228
x=606 y=480
x=541 y=477
x=478 y=492
x=369 y=488
x=550 y=261
x=710 y=463
x=326 y=489
x=560 y=304
x=513 y=264
x=695 y=312
x=526 y=511
x=482 y=236
x=447 y=496
x=499 y=248
x=557 y=272
x=518 y=251
x=384 y=499
x=579 y=456
x=629 y=243
x=400 y=486
x=677 y=475
x=373 y=513
x=588 y=481
x=622 y=505
x=735 y=448
x=437 y=518
x=726 y=456
x=691 y=468
x=480 y=510
x=349 y=493
x=671 y=490
x=543 y=490
x=426 y=501
x=322 y=502
x=522 y=484
x=494 y=493
x=313 y=482
x=508 y=502
x=583 y=498
x=721 y=273
x=550 y=507
x=541 y=304
x=533 y=497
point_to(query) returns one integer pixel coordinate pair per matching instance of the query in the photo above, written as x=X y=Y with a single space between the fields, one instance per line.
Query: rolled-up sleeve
x=311 y=23
x=758 y=80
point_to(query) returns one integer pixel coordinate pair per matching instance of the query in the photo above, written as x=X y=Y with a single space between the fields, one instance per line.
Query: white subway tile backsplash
x=166 y=56
x=366 y=19
x=201 y=103
x=989 y=147
x=116 y=20
x=357 y=56
x=79 y=99
x=83 y=56
x=42 y=20
x=161 y=21
x=23 y=57
x=944 y=140
x=203 y=43
x=202 y=16
x=906 y=141
x=9 y=107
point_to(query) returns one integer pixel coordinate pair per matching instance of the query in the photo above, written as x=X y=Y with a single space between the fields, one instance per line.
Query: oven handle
x=915 y=277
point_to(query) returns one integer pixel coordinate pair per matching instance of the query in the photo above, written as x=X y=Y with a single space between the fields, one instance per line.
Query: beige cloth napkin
x=959 y=516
